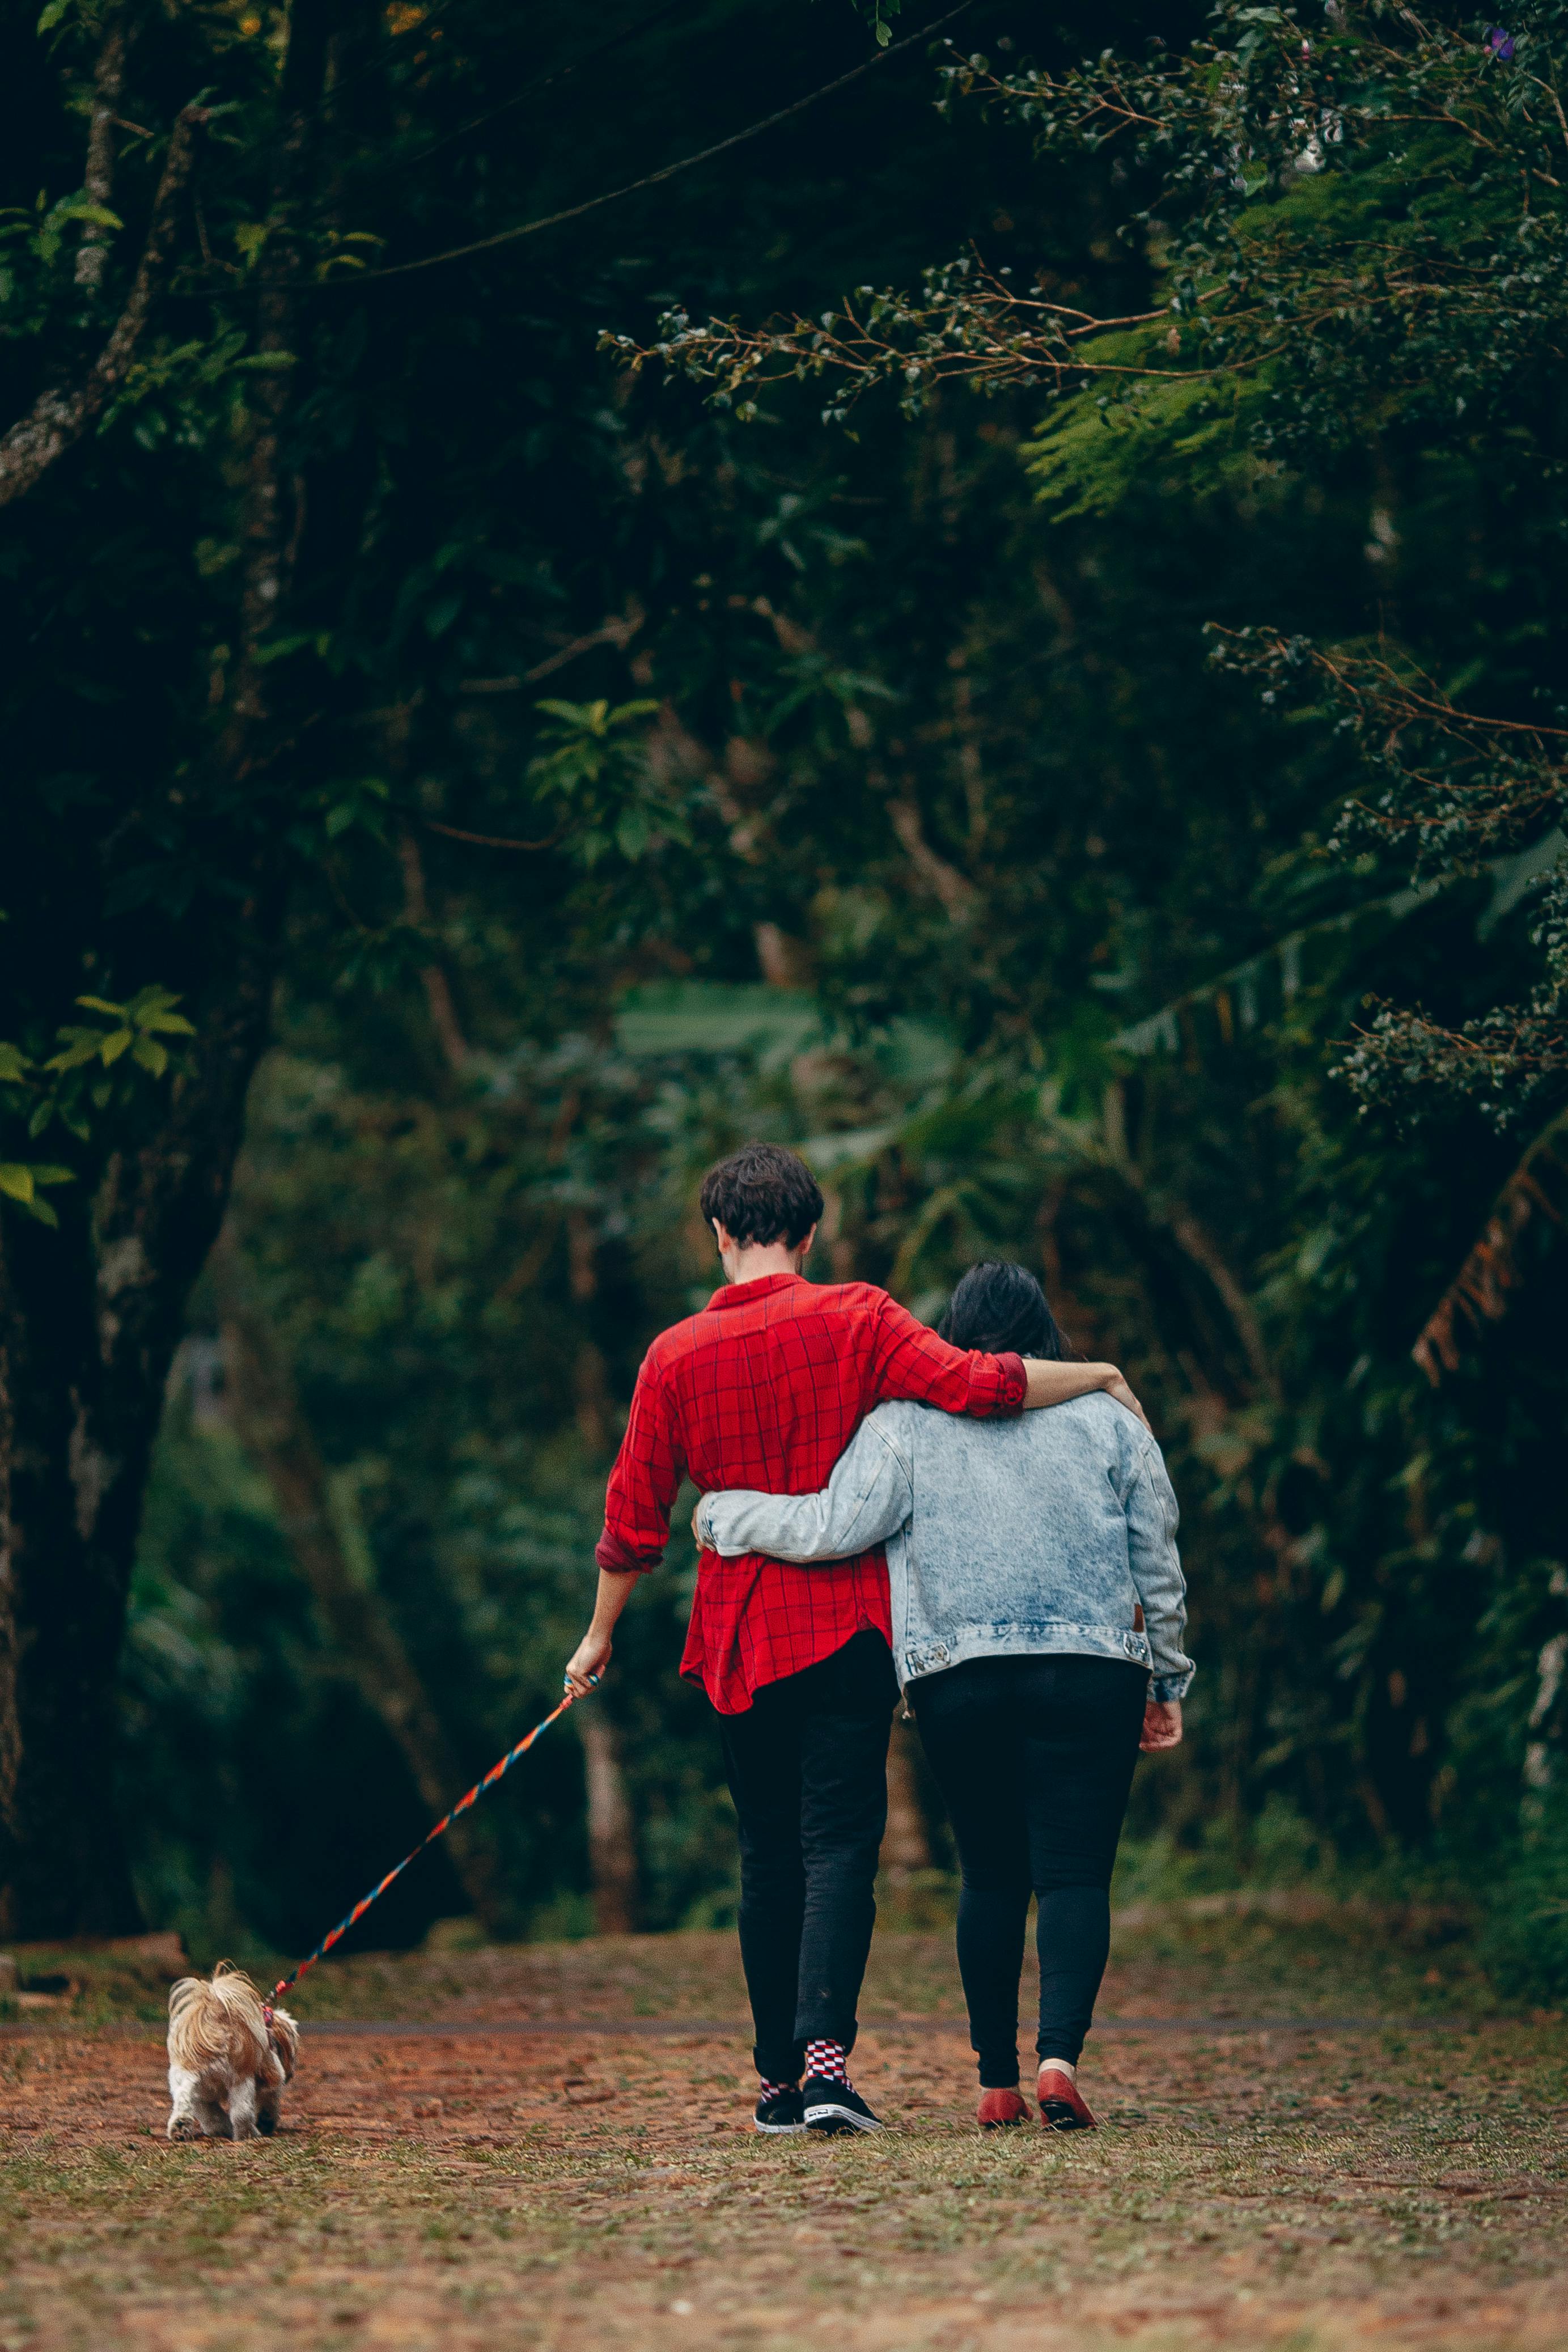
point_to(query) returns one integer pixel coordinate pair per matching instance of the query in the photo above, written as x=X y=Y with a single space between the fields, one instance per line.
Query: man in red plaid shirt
x=764 y=1389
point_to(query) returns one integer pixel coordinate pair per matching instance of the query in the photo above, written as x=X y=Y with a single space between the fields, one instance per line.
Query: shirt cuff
x=617 y=1558
x=1015 y=1383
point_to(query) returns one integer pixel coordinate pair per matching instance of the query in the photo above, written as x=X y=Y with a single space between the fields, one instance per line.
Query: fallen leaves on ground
x=561 y=2191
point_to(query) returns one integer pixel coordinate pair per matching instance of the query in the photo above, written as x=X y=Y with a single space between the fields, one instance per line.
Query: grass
x=1312 y=2191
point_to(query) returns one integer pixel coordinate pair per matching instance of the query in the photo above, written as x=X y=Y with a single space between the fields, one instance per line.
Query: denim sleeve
x=869 y=1495
x=1151 y=1517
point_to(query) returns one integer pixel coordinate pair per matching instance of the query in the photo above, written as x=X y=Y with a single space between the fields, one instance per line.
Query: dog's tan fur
x=228 y=2064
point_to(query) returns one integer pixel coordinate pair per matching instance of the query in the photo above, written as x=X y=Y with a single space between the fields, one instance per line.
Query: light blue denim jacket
x=1054 y=1532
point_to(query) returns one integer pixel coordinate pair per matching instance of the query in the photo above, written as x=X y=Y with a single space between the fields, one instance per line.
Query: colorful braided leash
x=497 y=1771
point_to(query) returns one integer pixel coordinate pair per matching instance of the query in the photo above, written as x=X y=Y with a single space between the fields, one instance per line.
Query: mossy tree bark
x=90 y=1313
x=89 y=1318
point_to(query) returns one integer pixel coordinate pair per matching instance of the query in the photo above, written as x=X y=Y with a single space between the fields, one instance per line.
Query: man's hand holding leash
x=593 y=1652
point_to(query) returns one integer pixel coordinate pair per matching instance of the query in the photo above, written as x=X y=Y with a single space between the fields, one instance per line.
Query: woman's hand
x=1161 y=1726
x=590 y=1658
x=1049 y=1380
x=1116 y=1386
x=697 y=1534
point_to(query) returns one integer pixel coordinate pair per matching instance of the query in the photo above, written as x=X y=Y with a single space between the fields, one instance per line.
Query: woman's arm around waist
x=869 y=1495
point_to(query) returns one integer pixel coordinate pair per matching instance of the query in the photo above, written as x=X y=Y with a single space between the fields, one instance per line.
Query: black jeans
x=807 y=1766
x=1035 y=1758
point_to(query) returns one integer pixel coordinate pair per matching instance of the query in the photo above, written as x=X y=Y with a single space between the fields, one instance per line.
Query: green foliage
x=880 y=15
x=137 y=1028
x=24 y=1182
x=592 y=776
x=1074 y=924
x=73 y=1086
x=1356 y=240
x=1449 y=786
x=1526 y=1947
x=416 y=1258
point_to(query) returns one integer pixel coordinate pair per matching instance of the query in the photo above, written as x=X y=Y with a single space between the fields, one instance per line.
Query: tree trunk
x=89 y=1317
x=612 y=1848
x=270 y=1426
x=590 y=1373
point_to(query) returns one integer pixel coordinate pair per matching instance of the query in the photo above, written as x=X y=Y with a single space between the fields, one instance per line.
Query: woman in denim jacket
x=1039 y=1608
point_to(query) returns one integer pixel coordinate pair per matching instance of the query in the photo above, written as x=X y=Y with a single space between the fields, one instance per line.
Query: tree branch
x=437 y=988
x=1196 y=1243
x=954 y=889
x=490 y=840
x=784 y=960
x=618 y=632
x=57 y=419
x=1480 y=1290
x=98 y=178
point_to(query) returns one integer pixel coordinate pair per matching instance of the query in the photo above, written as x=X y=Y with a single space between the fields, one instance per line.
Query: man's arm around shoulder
x=1049 y=1382
x=916 y=1363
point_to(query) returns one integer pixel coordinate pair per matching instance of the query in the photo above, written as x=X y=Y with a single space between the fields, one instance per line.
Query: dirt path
x=571 y=2189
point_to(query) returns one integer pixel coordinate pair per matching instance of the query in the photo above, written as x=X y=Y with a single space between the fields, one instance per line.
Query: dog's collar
x=266 y=2015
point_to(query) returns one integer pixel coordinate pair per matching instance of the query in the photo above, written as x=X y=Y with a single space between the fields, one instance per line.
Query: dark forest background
x=457 y=783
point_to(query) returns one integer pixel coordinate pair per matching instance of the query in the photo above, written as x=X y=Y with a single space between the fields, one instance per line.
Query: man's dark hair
x=763 y=1194
x=1001 y=1309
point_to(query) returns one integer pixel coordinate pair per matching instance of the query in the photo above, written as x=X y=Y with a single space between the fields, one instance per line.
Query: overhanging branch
x=59 y=417
x=1481 y=1290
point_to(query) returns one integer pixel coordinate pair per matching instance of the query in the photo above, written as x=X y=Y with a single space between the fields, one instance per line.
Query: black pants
x=1035 y=1758
x=807 y=1766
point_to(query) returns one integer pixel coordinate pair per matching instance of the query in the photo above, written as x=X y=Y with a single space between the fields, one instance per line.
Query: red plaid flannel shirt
x=765 y=1388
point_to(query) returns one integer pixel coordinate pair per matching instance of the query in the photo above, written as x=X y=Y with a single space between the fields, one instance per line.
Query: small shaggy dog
x=229 y=2056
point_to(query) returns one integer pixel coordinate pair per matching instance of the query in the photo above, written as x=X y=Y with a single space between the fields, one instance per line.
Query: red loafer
x=1000 y=2109
x=1061 y=2108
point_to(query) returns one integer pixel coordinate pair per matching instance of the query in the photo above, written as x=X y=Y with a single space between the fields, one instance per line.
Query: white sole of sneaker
x=825 y=2118
x=777 y=2131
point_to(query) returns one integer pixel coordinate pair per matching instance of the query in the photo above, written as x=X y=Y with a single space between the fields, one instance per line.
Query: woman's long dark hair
x=1000 y=1308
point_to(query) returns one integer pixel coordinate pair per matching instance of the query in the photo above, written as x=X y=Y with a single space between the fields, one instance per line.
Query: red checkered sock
x=828 y=2061
x=775 y=2090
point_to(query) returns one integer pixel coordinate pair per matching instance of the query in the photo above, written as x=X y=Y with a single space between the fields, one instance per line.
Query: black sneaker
x=834 y=2107
x=784 y=2112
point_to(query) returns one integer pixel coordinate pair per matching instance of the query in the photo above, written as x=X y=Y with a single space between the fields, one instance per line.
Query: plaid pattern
x=765 y=1388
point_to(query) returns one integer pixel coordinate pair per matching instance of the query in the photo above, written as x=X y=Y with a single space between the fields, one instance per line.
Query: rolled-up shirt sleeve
x=644 y=1482
x=914 y=1363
